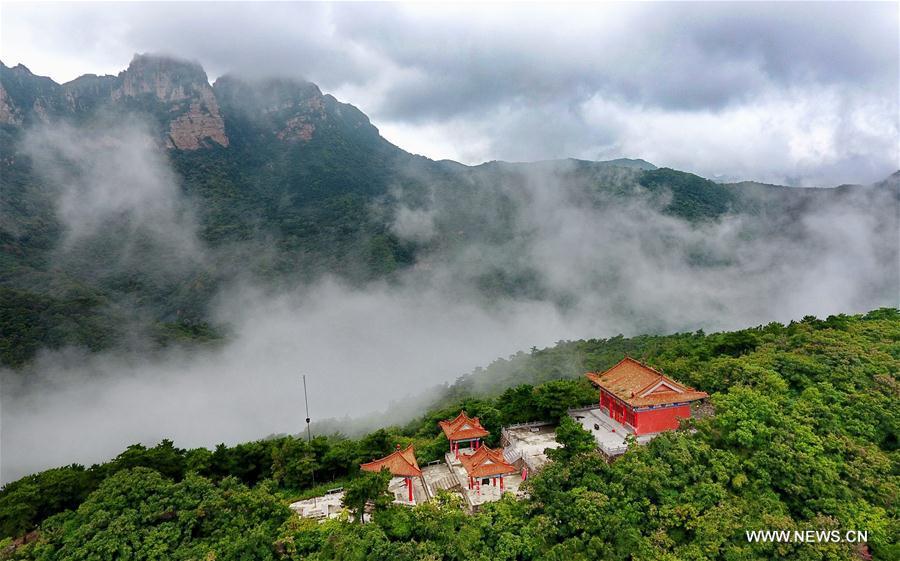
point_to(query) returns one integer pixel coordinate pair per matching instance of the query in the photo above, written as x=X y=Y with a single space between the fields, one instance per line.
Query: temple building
x=402 y=465
x=486 y=466
x=463 y=430
x=643 y=399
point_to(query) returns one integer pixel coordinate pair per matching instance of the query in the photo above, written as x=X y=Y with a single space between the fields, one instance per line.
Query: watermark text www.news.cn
x=808 y=536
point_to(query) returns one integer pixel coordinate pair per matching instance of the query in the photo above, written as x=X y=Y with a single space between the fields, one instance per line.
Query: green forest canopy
x=805 y=436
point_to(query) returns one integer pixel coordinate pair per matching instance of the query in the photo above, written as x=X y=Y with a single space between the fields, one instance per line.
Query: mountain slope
x=132 y=199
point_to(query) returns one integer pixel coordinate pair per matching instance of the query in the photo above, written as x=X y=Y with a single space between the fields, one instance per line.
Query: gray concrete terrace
x=439 y=477
x=528 y=441
x=320 y=508
x=608 y=433
x=397 y=487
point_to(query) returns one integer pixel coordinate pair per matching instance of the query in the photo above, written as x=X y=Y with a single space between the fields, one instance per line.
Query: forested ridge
x=804 y=436
x=282 y=205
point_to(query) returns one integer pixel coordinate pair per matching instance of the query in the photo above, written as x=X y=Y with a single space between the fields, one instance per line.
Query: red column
x=524 y=473
x=501 y=482
x=409 y=486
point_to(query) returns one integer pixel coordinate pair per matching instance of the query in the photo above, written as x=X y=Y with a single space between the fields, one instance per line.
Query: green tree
x=554 y=399
x=368 y=487
x=574 y=439
x=137 y=514
x=293 y=463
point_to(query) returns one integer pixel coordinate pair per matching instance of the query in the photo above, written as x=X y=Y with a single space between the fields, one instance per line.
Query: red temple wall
x=656 y=420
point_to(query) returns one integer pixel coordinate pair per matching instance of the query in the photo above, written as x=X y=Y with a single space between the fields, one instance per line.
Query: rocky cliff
x=177 y=95
x=190 y=114
x=183 y=90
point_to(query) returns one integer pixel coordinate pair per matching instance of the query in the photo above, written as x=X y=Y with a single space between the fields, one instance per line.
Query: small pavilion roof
x=463 y=427
x=639 y=385
x=401 y=463
x=486 y=462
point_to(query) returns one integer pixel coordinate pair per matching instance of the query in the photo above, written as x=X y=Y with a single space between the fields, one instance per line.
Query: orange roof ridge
x=650 y=385
x=463 y=427
x=666 y=380
x=486 y=462
x=401 y=463
x=632 y=381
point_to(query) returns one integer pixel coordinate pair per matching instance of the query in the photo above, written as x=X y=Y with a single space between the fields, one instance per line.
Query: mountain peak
x=169 y=79
x=190 y=112
x=19 y=69
x=265 y=94
x=165 y=62
x=289 y=109
x=183 y=89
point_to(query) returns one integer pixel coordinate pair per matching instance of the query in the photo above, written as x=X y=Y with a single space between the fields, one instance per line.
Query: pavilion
x=486 y=464
x=643 y=399
x=401 y=463
x=463 y=429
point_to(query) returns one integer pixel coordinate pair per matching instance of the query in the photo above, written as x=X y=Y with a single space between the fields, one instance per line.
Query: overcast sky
x=804 y=94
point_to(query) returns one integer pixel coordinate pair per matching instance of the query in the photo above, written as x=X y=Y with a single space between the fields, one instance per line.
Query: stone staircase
x=512 y=455
x=439 y=478
x=445 y=483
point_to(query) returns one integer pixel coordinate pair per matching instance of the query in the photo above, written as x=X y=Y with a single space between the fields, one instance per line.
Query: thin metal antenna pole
x=308 y=430
x=306 y=400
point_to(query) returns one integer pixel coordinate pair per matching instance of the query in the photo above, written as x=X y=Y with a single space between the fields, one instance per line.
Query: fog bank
x=596 y=270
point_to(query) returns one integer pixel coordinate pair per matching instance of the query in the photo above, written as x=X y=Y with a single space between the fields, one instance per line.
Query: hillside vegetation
x=284 y=186
x=805 y=436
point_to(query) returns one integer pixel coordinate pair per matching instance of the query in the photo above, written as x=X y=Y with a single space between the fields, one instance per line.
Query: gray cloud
x=112 y=173
x=598 y=265
x=677 y=56
x=450 y=81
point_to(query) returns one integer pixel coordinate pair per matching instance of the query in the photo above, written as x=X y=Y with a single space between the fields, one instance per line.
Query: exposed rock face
x=166 y=79
x=26 y=98
x=290 y=110
x=297 y=129
x=176 y=84
x=176 y=98
x=8 y=113
x=301 y=126
x=191 y=130
x=40 y=110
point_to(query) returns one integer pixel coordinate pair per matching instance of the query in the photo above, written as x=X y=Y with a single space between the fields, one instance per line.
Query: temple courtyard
x=636 y=403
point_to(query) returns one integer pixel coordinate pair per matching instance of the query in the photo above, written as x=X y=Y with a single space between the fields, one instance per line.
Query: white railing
x=528 y=424
x=504 y=431
x=581 y=409
x=614 y=450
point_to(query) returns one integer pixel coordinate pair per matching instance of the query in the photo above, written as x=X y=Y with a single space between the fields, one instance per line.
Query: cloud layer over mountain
x=801 y=93
x=599 y=267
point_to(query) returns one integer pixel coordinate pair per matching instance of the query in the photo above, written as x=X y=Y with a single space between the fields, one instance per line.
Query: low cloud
x=573 y=261
x=113 y=188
